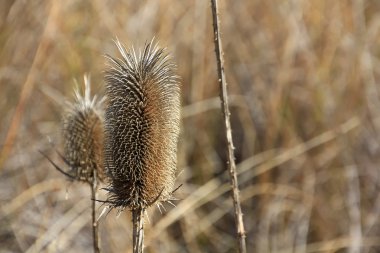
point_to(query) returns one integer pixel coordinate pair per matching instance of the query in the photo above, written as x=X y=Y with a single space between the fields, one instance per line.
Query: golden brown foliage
x=303 y=78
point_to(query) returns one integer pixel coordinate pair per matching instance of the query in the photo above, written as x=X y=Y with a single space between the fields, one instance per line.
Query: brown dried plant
x=142 y=127
x=83 y=134
x=83 y=138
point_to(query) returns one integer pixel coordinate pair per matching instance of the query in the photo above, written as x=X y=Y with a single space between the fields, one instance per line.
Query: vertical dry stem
x=95 y=230
x=138 y=230
x=226 y=116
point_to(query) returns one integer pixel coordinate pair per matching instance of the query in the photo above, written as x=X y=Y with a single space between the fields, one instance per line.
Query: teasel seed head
x=142 y=126
x=83 y=135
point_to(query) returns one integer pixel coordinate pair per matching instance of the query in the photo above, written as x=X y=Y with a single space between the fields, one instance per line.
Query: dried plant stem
x=95 y=230
x=226 y=116
x=138 y=230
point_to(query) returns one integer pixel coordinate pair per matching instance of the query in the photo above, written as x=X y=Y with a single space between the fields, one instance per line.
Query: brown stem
x=95 y=231
x=226 y=115
x=138 y=230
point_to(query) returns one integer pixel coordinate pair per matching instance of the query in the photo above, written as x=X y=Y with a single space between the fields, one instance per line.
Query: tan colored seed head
x=83 y=134
x=142 y=126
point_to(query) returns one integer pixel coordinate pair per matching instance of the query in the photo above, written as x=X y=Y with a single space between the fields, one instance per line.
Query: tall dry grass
x=304 y=83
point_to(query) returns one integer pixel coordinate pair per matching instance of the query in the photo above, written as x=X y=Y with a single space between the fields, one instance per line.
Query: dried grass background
x=304 y=82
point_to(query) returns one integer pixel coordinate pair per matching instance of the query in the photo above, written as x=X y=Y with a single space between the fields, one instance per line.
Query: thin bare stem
x=138 y=230
x=226 y=115
x=95 y=230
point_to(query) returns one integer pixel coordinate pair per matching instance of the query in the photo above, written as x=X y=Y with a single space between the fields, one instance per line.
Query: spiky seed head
x=142 y=126
x=83 y=135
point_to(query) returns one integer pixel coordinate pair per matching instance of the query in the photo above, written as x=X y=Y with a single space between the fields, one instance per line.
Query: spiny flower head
x=142 y=126
x=83 y=134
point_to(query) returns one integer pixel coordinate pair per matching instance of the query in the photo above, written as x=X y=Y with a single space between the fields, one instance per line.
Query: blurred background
x=303 y=79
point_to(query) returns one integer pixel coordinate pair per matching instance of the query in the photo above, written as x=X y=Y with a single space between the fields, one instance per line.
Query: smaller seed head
x=83 y=135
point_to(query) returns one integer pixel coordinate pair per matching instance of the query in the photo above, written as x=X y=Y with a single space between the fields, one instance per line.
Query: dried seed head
x=142 y=126
x=83 y=134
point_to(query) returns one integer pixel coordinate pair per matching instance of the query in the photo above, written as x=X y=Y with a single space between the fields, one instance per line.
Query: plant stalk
x=95 y=230
x=138 y=230
x=226 y=115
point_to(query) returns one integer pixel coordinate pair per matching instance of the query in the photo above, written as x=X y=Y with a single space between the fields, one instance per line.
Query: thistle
x=141 y=130
x=83 y=136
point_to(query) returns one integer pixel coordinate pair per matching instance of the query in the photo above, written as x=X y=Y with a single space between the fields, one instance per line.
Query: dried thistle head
x=83 y=134
x=142 y=126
